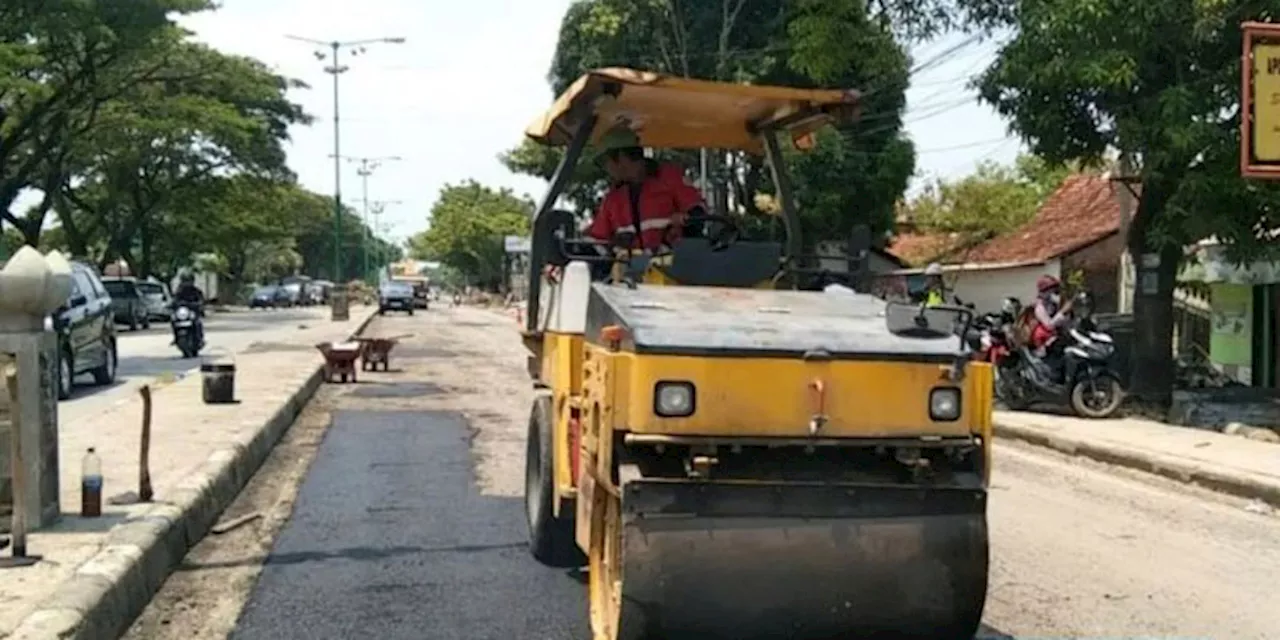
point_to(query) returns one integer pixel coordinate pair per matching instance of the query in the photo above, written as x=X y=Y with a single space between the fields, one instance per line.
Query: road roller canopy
x=669 y=112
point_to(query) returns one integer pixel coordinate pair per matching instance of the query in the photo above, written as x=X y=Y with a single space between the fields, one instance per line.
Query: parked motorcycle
x=989 y=336
x=188 y=329
x=1085 y=379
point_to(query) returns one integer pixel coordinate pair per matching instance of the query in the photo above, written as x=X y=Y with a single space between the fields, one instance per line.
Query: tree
x=856 y=174
x=1156 y=80
x=467 y=226
x=995 y=199
x=60 y=61
x=163 y=141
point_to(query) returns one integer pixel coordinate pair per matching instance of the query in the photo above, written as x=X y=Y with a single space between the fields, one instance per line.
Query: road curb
x=1236 y=484
x=106 y=593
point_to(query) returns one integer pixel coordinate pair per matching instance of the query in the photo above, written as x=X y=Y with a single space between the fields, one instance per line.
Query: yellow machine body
x=730 y=457
x=792 y=500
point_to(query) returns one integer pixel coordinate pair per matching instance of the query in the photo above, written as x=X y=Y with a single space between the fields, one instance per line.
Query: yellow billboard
x=1266 y=102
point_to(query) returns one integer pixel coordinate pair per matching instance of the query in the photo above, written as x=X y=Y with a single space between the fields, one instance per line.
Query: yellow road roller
x=731 y=450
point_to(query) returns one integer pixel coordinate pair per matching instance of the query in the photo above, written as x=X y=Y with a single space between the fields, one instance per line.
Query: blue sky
x=471 y=75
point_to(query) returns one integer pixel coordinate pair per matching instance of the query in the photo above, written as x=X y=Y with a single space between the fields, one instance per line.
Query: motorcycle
x=1085 y=379
x=188 y=330
x=988 y=336
x=992 y=340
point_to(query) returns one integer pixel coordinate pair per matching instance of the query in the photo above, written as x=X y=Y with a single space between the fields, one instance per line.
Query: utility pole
x=366 y=169
x=335 y=68
x=1127 y=273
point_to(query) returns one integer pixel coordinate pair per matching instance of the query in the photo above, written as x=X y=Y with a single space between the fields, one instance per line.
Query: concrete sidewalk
x=98 y=573
x=1230 y=464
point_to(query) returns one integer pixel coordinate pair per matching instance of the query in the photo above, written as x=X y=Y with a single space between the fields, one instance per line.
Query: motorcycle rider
x=1050 y=316
x=191 y=295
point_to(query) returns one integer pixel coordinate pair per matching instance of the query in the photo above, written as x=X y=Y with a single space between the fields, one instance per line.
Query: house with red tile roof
x=1075 y=236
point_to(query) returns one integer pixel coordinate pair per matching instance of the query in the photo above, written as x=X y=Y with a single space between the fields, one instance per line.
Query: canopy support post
x=537 y=250
x=782 y=182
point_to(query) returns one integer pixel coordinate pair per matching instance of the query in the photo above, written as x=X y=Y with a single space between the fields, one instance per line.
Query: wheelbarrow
x=339 y=359
x=377 y=351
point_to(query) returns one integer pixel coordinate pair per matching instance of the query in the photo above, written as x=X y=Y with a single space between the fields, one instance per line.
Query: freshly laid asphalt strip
x=390 y=539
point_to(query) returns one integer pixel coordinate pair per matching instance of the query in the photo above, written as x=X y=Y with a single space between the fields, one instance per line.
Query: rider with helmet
x=187 y=291
x=190 y=295
x=1050 y=316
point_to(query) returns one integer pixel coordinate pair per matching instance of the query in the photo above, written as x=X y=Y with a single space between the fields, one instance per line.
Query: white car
x=156 y=297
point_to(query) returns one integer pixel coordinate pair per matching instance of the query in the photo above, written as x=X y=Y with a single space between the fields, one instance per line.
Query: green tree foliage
x=1157 y=80
x=995 y=199
x=467 y=225
x=163 y=141
x=60 y=61
x=150 y=147
x=856 y=173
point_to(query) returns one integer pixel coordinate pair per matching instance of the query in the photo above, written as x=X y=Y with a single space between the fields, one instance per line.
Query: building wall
x=879 y=263
x=1231 y=334
x=986 y=289
x=1098 y=267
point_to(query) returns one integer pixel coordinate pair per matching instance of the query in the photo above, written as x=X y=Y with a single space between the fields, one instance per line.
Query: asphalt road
x=409 y=525
x=392 y=540
x=145 y=355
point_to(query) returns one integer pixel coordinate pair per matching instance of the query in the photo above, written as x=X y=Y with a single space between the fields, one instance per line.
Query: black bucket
x=219 y=382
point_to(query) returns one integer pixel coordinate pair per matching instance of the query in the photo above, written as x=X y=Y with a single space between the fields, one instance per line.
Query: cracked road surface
x=409 y=524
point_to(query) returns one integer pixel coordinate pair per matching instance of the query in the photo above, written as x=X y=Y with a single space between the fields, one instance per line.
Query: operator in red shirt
x=649 y=201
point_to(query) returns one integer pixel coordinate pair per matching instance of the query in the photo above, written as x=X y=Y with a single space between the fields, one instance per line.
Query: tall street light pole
x=335 y=68
x=366 y=169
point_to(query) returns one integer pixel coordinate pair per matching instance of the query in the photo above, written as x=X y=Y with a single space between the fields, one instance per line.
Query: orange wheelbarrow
x=377 y=351
x=339 y=359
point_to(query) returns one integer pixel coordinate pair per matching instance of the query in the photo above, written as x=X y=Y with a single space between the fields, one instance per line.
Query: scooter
x=188 y=329
x=996 y=332
x=1085 y=379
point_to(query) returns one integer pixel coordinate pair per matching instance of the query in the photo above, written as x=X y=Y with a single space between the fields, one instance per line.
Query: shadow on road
x=987 y=632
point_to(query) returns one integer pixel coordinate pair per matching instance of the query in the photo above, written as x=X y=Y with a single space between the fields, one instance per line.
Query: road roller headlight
x=673 y=399
x=944 y=404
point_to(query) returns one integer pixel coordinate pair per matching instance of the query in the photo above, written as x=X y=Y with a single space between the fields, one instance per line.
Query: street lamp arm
x=356 y=43
x=323 y=43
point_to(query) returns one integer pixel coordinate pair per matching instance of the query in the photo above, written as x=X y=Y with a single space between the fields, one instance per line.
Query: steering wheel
x=726 y=229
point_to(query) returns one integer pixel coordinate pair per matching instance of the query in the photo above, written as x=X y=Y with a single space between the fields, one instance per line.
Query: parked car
x=315 y=292
x=291 y=292
x=396 y=296
x=285 y=297
x=127 y=302
x=156 y=296
x=264 y=297
x=86 y=331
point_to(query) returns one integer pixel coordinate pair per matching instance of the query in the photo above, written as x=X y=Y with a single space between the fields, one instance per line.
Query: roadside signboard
x=1260 y=101
x=515 y=244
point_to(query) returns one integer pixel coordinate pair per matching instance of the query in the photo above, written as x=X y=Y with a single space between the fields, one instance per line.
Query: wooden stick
x=234 y=523
x=18 y=466
x=144 y=465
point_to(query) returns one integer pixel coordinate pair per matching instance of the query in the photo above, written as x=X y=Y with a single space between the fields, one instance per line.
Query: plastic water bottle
x=90 y=485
